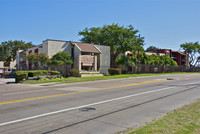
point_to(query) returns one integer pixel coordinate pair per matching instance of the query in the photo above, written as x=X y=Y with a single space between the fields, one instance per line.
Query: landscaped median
x=82 y=79
x=185 y=120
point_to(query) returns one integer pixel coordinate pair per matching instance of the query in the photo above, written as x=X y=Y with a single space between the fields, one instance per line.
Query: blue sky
x=163 y=23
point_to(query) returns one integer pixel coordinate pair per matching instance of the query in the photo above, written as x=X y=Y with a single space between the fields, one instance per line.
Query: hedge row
x=23 y=75
x=114 y=71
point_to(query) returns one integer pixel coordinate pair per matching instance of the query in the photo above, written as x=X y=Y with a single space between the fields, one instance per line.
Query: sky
x=163 y=23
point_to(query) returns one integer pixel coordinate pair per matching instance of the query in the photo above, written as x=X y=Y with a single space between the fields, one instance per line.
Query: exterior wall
x=151 y=53
x=40 y=49
x=45 y=47
x=54 y=47
x=167 y=52
x=12 y=64
x=104 y=58
x=77 y=53
x=1 y=64
x=181 y=59
x=32 y=49
x=178 y=59
x=187 y=60
x=21 y=63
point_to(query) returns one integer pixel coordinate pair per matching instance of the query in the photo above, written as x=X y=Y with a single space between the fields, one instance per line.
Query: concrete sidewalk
x=6 y=80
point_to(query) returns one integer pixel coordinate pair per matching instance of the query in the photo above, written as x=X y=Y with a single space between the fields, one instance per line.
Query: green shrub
x=114 y=71
x=53 y=72
x=21 y=75
x=45 y=72
x=55 y=78
x=74 y=72
x=44 y=79
x=50 y=72
x=106 y=74
x=34 y=73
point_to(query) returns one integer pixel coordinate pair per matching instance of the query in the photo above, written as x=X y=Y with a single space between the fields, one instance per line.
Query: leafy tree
x=61 y=58
x=9 y=48
x=119 y=38
x=33 y=59
x=43 y=59
x=192 y=49
x=4 y=53
x=30 y=58
x=37 y=59
x=152 y=48
x=127 y=61
x=132 y=61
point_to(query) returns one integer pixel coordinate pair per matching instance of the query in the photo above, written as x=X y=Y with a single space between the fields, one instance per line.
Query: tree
x=132 y=61
x=4 y=53
x=152 y=48
x=43 y=59
x=9 y=49
x=119 y=38
x=61 y=58
x=38 y=60
x=33 y=60
x=163 y=60
x=192 y=49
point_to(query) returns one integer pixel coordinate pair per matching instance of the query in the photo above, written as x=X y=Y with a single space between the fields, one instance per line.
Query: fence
x=161 y=69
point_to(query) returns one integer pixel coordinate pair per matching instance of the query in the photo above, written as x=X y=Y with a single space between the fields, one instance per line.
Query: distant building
x=180 y=57
x=86 y=57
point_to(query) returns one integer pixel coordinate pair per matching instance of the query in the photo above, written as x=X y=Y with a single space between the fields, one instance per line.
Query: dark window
x=36 y=51
x=72 y=52
x=174 y=54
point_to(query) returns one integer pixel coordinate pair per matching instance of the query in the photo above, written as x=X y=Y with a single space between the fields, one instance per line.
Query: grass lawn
x=82 y=79
x=185 y=120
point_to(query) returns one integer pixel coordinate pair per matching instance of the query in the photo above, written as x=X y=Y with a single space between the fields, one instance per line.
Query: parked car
x=12 y=72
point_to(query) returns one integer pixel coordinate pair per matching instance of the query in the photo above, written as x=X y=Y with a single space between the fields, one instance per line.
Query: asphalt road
x=101 y=107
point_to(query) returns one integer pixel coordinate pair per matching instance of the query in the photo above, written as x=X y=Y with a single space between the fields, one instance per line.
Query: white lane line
x=92 y=104
x=25 y=92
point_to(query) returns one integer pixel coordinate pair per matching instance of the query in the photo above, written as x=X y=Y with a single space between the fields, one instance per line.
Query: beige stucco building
x=86 y=57
x=12 y=64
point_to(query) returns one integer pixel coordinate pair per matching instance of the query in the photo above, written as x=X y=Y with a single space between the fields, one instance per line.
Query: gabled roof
x=85 y=47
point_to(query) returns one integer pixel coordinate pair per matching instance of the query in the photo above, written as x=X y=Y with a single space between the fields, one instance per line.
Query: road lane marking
x=74 y=88
x=88 y=105
x=92 y=90
x=25 y=92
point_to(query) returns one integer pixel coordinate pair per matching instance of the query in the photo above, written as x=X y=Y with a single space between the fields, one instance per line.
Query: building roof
x=150 y=53
x=180 y=52
x=85 y=47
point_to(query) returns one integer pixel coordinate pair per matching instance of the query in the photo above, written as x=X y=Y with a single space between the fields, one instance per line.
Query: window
x=72 y=52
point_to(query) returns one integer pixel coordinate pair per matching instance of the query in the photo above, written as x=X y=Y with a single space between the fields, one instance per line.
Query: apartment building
x=182 y=58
